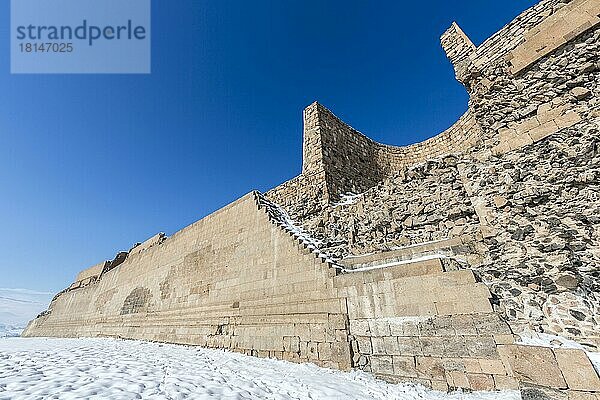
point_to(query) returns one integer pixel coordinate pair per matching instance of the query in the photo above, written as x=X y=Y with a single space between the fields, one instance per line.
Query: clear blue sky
x=90 y=164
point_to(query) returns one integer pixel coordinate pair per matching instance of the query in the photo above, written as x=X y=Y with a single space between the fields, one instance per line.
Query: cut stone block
x=481 y=382
x=495 y=367
x=430 y=368
x=404 y=366
x=457 y=379
x=505 y=382
x=577 y=369
x=533 y=364
x=382 y=365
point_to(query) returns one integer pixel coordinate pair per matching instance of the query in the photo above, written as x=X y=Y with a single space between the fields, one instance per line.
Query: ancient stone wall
x=540 y=206
x=551 y=22
x=354 y=163
x=532 y=178
x=153 y=241
x=423 y=203
x=458 y=48
x=531 y=214
x=424 y=263
x=565 y=23
x=536 y=160
x=232 y=280
x=247 y=280
x=339 y=160
x=303 y=196
x=553 y=94
x=91 y=272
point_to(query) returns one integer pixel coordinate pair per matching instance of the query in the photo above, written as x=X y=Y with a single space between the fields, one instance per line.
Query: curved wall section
x=355 y=163
x=338 y=159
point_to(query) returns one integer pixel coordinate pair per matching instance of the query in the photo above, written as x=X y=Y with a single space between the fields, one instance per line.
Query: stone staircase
x=279 y=217
x=419 y=259
x=442 y=255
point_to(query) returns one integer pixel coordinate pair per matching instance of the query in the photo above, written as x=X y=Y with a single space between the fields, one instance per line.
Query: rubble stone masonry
x=426 y=263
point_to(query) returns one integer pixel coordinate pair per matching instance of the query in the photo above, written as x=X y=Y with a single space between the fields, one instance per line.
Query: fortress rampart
x=337 y=159
x=445 y=256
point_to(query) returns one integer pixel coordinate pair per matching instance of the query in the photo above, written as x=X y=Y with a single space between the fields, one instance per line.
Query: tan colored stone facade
x=92 y=272
x=232 y=280
x=454 y=247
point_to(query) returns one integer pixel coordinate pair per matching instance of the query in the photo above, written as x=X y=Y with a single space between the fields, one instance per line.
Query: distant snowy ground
x=19 y=306
x=117 y=369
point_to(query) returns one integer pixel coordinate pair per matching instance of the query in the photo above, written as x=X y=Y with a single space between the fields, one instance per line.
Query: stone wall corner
x=458 y=48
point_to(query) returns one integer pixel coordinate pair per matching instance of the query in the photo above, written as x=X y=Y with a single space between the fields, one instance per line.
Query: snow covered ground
x=10 y=330
x=118 y=369
x=19 y=306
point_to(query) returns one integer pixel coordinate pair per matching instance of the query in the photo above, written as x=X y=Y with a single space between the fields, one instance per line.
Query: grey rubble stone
x=568 y=281
x=542 y=393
